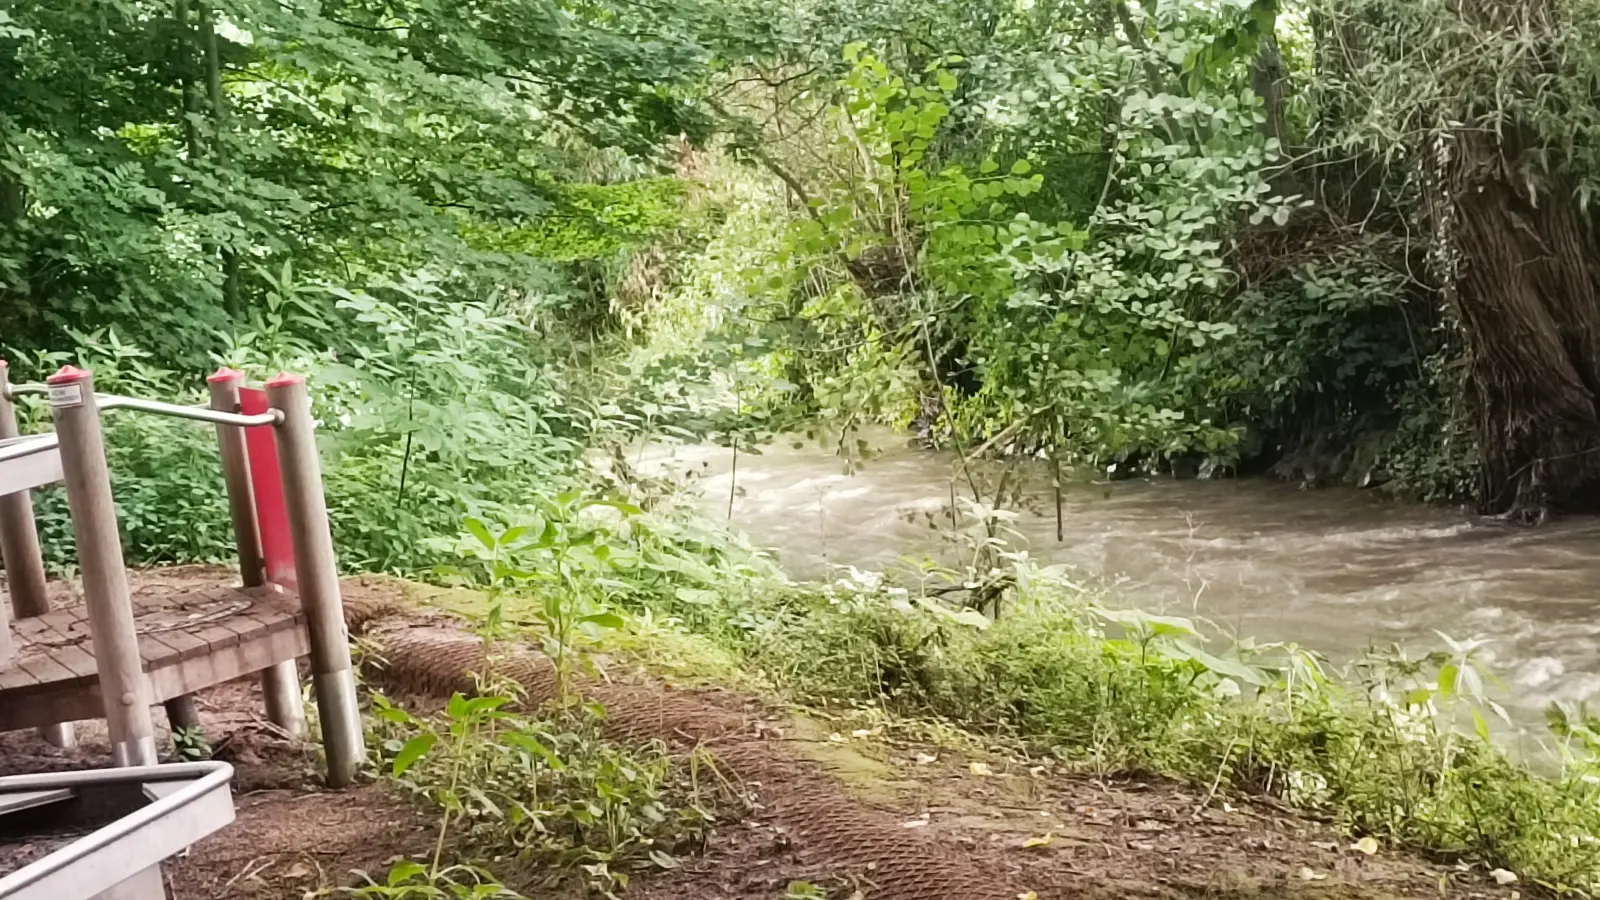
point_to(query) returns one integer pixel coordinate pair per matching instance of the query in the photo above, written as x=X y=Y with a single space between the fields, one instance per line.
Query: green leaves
x=568 y=801
x=411 y=752
x=1098 y=294
x=608 y=621
x=402 y=872
x=526 y=742
x=480 y=531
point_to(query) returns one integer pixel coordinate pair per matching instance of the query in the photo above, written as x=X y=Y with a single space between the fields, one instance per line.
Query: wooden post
x=19 y=547
x=182 y=714
x=19 y=537
x=123 y=687
x=332 y=678
x=280 y=684
x=8 y=647
x=224 y=385
x=14 y=530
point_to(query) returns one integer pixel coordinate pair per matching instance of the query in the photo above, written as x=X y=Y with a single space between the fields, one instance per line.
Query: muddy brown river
x=1336 y=570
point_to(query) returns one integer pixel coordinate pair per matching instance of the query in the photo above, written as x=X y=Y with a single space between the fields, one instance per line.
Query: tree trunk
x=219 y=148
x=1528 y=297
x=184 y=57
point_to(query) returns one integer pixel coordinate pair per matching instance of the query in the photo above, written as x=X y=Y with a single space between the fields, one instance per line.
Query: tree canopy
x=1340 y=239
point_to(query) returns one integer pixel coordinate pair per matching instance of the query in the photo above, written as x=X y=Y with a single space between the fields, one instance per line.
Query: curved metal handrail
x=174 y=410
x=197 y=413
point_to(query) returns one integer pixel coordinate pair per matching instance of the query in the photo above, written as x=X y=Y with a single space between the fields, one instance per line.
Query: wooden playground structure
x=122 y=651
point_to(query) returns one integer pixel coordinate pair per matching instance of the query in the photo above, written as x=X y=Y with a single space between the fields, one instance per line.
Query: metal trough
x=28 y=462
x=154 y=812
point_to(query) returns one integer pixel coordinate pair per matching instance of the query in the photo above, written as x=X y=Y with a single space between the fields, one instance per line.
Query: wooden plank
x=268 y=621
x=246 y=627
x=189 y=675
x=57 y=680
x=45 y=669
x=266 y=593
x=249 y=627
x=218 y=636
x=78 y=659
x=154 y=651
x=228 y=664
x=14 y=677
x=49 y=706
x=284 y=617
x=49 y=637
x=27 y=628
x=185 y=644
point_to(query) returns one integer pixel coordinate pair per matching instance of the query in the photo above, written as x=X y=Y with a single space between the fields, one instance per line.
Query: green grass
x=1377 y=755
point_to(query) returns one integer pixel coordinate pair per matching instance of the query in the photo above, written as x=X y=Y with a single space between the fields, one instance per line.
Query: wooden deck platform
x=195 y=630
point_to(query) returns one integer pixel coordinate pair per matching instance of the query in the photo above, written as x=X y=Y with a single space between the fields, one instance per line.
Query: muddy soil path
x=1078 y=835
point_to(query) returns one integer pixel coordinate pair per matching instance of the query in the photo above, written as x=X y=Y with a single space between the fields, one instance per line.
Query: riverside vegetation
x=1337 y=239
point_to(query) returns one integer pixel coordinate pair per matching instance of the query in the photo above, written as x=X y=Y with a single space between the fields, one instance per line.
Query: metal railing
x=173 y=410
x=27 y=445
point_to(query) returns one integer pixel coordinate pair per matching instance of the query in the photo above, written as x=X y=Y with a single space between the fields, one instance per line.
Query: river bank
x=1337 y=570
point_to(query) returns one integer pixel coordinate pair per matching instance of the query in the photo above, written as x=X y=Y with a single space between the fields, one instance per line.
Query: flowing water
x=1336 y=570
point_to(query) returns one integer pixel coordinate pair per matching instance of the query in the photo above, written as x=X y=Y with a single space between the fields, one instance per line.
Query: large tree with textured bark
x=1482 y=114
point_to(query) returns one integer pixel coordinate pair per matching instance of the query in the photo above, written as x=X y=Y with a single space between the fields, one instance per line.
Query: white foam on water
x=1539 y=671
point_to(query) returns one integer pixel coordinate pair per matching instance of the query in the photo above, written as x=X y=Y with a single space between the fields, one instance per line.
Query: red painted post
x=272 y=516
x=280 y=684
x=317 y=569
x=124 y=690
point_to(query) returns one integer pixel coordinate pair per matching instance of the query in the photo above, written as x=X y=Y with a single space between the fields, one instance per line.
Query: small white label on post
x=64 y=395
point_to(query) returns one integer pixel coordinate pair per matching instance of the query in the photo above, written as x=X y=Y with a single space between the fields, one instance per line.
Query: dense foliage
x=1222 y=235
x=1185 y=235
x=1096 y=231
x=421 y=210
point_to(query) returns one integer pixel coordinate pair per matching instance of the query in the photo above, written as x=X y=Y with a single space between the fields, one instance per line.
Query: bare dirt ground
x=1061 y=836
x=858 y=814
x=1088 y=836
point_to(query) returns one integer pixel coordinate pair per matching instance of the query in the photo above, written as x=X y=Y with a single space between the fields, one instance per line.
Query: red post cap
x=224 y=374
x=68 y=375
x=284 y=379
